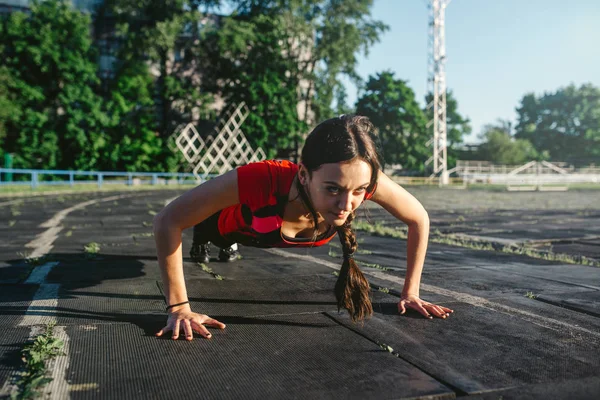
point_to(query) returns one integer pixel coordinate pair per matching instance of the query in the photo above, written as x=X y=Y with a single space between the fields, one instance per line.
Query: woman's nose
x=345 y=202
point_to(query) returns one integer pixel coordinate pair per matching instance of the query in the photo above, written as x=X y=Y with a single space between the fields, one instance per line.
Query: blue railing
x=131 y=178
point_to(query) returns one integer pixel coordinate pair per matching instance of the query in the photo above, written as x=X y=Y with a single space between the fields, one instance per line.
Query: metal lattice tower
x=437 y=86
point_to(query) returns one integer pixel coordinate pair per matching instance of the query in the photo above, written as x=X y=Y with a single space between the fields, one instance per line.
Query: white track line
x=458 y=296
x=42 y=244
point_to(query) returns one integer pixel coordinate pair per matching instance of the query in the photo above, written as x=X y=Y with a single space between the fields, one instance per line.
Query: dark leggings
x=208 y=231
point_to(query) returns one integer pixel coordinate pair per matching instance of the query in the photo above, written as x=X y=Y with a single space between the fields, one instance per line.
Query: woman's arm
x=187 y=210
x=409 y=210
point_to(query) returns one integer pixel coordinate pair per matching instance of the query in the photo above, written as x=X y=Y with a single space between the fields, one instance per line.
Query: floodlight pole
x=437 y=86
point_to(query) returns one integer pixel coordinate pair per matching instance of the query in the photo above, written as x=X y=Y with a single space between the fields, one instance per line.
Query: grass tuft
x=91 y=248
x=209 y=270
x=35 y=357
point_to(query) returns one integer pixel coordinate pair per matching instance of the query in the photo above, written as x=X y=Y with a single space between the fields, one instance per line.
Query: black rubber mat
x=587 y=302
x=12 y=340
x=479 y=349
x=122 y=301
x=255 y=264
x=580 y=389
x=299 y=356
x=97 y=268
x=296 y=294
x=14 y=272
x=14 y=302
x=499 y=280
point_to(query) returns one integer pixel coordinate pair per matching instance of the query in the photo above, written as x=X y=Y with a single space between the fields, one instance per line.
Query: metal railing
x=72 y=178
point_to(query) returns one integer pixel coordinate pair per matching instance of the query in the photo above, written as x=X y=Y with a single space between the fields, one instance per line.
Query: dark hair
x=336 y=140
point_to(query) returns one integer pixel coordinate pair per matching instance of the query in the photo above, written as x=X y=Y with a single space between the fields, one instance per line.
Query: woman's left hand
x=424 y=307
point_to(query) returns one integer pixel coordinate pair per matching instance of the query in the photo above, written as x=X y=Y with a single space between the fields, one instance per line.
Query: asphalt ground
x=522 y=327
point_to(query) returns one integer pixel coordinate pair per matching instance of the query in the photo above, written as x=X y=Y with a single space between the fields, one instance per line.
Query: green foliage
x=245 y=59
x=285 y=58
x=135 y=142
x=565 y=123
x=457 y=126
x=391 y=105
x=165 y=34
x=501 y=148
x=35 y=356
x=91 y=248
x=52 y=75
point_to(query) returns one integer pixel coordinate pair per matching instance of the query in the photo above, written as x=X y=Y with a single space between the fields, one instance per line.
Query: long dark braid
x=340 y=140
x=352 y=288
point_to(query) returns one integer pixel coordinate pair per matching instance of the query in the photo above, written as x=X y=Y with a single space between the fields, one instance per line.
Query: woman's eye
x=333 y=189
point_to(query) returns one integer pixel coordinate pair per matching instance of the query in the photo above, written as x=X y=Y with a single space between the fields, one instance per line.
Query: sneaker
x=200 y=253
x=229 y=254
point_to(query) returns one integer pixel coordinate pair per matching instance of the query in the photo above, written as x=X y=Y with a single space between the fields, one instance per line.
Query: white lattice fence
x=221 y=153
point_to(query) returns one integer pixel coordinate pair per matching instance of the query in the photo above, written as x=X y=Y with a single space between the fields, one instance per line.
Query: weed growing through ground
x=550 y=256
x=147 y=224
x=152 y=212
x=335 y=273
x=15 y=213
x=363 y=251
x=134 y=236
x=91 y=248
x=453 y=240
x=209 y=270
x=369 y=265
x=530 y=295
x=12 y=223
x=386 y=347
x=332 y=253
x=384 y=290
x=35 y=357
x=68 y=234
x=34 y=261
x=378 y=229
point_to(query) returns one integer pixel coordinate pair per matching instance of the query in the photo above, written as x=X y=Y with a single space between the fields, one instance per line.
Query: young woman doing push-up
x=281 y=204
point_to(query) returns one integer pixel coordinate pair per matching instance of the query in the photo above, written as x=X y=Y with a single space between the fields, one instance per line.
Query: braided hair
x=343 y=139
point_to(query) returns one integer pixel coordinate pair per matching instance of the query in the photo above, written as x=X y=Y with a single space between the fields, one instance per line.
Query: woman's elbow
x=160 y=222
x=421 y=220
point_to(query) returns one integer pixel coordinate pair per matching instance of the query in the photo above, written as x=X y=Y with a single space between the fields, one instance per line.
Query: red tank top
x=256 y=221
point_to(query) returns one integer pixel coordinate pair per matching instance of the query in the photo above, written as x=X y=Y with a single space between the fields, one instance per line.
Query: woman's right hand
x=190 y=322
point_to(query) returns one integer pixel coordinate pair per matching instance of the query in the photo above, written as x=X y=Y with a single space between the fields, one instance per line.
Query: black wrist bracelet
x=178 y=304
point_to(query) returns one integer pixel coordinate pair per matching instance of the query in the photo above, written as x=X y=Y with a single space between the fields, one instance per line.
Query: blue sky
x=497 y=50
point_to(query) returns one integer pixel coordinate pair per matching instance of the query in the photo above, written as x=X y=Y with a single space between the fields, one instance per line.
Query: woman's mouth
x=339 y=215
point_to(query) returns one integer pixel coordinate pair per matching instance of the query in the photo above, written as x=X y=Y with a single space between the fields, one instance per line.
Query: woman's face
x=337 y=189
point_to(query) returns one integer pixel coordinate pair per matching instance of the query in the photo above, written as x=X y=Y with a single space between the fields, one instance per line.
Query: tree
x=391 y=105
x=457 y=126
x=134 y=141
x=51 y=65
x=317 y=42
x=501 y=148
x=566 y=123
x=166 y=35
x=246 y=62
